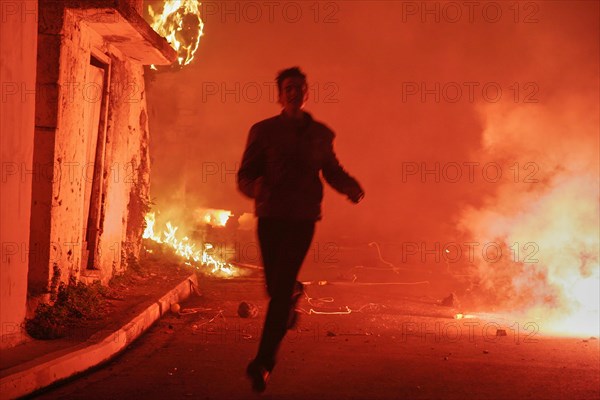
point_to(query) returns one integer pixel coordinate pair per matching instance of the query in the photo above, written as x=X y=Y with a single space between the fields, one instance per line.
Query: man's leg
x=284 y=245
x=294 y=315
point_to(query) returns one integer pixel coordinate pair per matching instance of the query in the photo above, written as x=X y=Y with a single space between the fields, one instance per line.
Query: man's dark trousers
x=283 y=245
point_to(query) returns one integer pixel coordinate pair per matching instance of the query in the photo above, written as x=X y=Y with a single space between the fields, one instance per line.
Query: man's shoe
x=259 y=375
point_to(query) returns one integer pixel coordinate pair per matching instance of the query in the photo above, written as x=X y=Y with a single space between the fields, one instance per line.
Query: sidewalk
x=37 y=364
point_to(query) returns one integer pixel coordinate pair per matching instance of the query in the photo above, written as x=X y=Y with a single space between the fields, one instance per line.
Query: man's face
x=293 y=93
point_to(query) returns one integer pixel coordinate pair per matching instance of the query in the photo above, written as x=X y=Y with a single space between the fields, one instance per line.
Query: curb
x=34 y=375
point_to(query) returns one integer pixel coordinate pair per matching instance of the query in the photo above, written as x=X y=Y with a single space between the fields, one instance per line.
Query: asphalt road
x=393 y=345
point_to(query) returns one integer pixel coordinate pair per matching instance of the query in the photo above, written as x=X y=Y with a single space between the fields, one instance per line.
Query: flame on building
x=179 y=23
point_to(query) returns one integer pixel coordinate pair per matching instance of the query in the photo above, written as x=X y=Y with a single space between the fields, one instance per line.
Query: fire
x=181 y=25
x=214 y=217
x=185 y=248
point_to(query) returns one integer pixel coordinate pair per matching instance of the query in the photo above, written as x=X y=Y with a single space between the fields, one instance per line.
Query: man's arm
x=252 y=166
x=338 y=178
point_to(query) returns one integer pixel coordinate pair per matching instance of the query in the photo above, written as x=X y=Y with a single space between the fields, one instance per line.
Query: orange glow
x=181 y=25
x=194 y=254
x=541 y=133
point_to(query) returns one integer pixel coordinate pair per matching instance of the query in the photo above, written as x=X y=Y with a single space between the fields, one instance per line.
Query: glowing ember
x=181 y=25
x=464 y=316
x=186 y=248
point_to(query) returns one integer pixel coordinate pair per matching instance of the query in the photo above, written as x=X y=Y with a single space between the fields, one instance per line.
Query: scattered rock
x=247 y=310
x=501 y=332
x=450 y=301
x=330 y=333
x=486 y=352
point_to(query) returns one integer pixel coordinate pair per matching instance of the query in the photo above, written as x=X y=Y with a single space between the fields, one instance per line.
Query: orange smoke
x=549 y=224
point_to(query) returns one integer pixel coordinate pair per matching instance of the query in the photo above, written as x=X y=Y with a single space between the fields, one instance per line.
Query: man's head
x=293 y=89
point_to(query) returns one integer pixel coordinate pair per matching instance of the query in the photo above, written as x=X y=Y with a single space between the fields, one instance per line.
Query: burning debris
x=195 y=254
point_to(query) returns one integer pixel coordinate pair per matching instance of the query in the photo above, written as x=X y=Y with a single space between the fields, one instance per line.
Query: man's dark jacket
x=281 y=164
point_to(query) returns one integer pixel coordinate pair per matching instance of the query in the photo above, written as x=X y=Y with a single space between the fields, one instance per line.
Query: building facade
x=75 y=146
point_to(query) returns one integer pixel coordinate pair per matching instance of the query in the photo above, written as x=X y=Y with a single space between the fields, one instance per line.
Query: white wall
x=18 y=50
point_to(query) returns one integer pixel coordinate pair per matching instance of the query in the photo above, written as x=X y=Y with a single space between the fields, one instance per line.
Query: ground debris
x=247 y=310
x=450 y=301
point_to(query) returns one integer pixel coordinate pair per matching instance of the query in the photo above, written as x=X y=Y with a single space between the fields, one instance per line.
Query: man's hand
x=356 y=194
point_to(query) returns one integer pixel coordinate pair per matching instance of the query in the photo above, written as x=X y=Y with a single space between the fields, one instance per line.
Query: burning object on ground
x=195 y=254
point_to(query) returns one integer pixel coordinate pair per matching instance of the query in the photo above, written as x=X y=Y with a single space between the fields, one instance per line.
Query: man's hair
x=289 y=73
